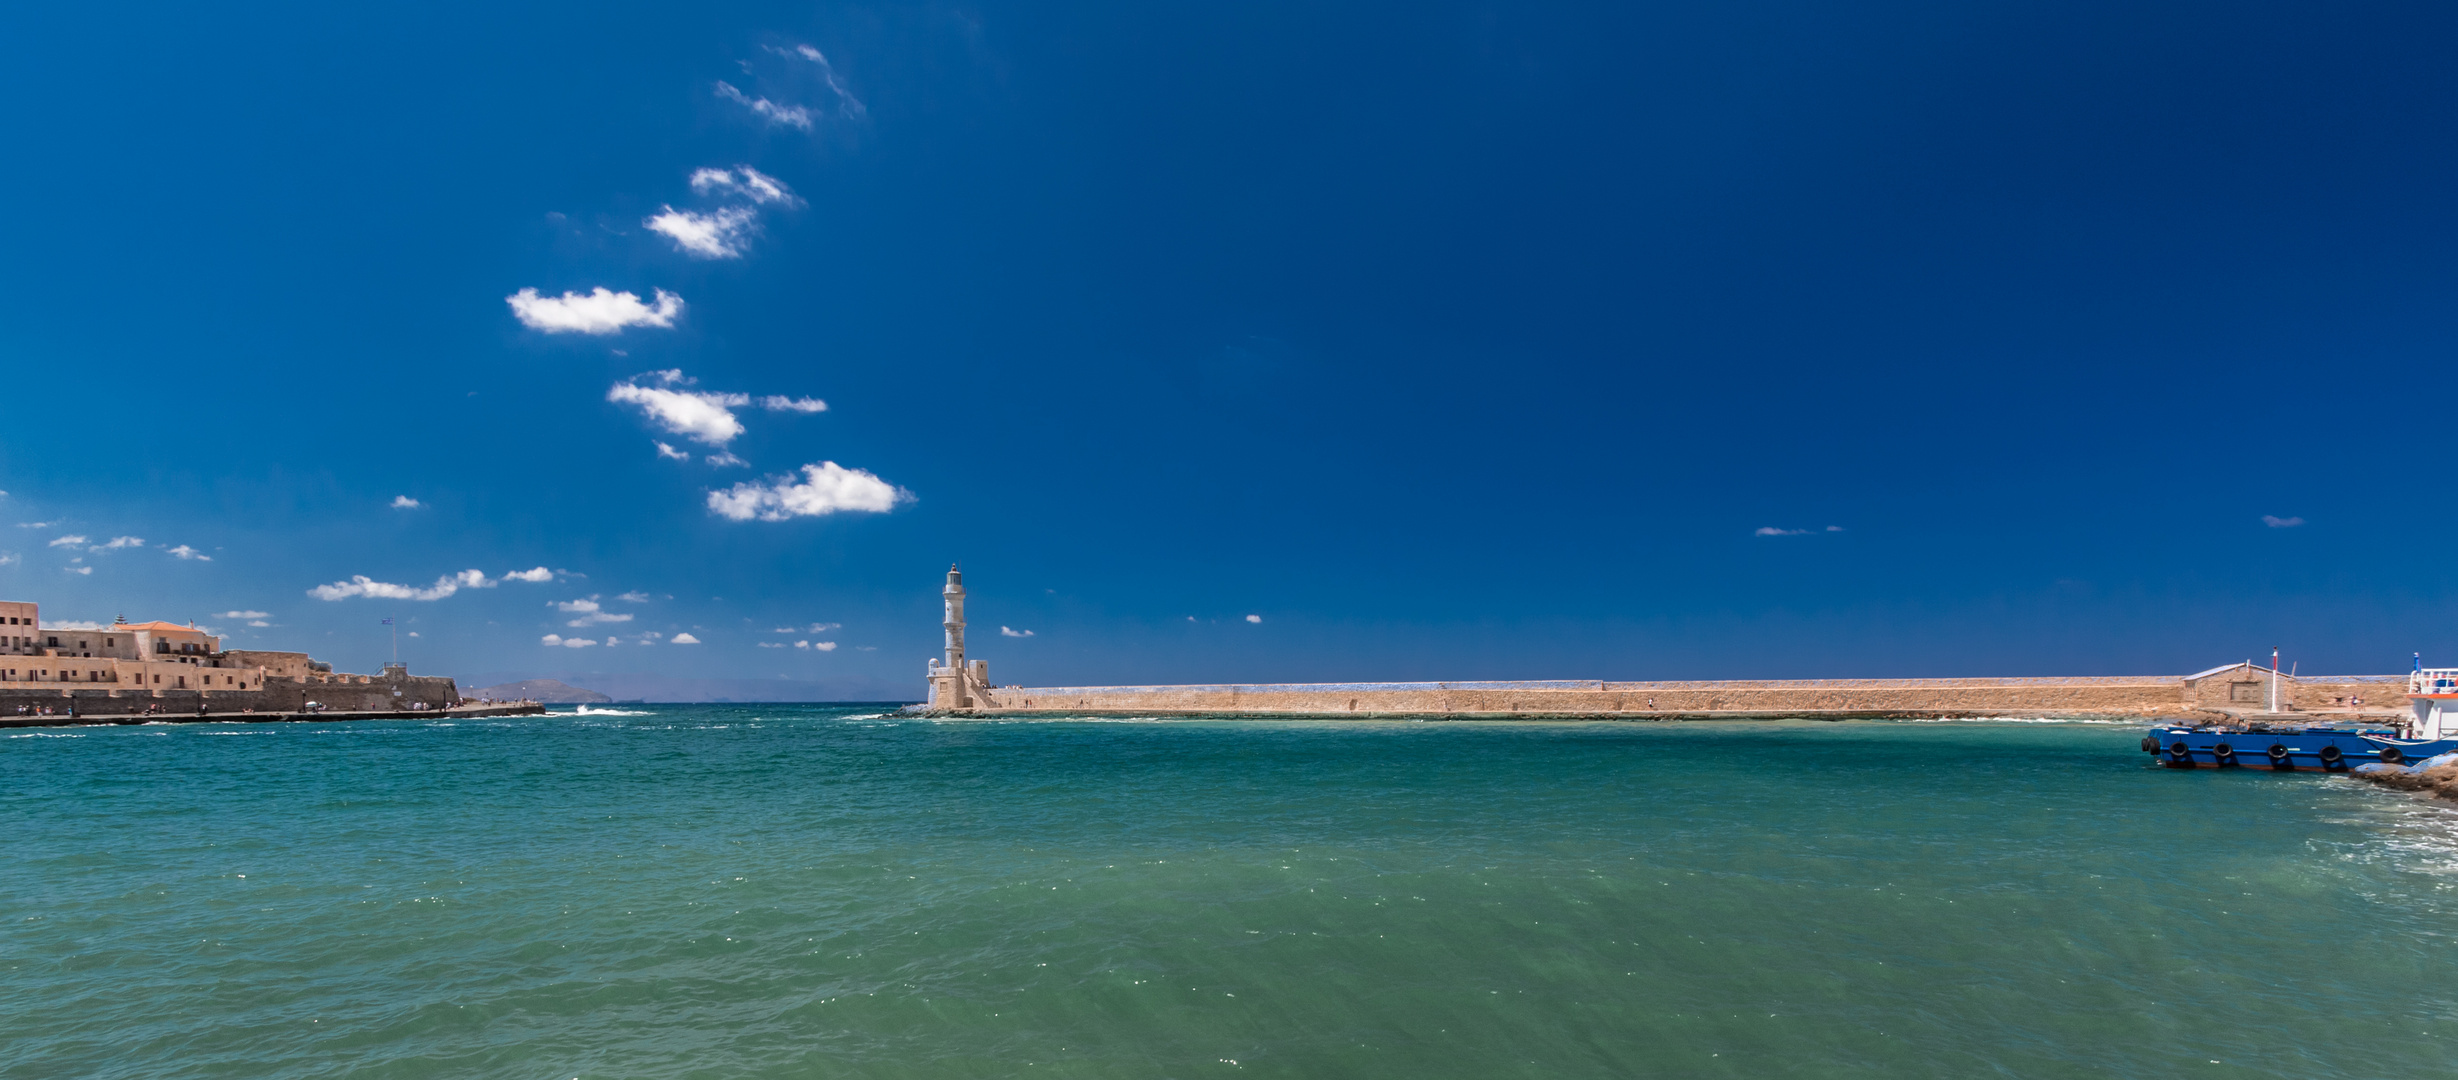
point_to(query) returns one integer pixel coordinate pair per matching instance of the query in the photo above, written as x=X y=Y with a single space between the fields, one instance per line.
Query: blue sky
x=1446 y=341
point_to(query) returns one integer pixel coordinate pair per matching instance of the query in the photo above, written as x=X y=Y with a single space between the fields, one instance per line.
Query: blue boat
x=2288 y=747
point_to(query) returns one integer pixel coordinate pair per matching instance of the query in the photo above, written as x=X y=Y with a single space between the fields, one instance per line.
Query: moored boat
x=2291 y=747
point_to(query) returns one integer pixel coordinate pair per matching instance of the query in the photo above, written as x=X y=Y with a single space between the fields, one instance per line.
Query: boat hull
x=2304 y=750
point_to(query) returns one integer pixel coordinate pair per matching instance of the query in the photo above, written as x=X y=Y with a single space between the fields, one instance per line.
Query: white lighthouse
x=957 y=684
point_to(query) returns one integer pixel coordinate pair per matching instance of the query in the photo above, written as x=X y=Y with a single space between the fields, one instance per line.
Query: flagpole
x=2274 y=678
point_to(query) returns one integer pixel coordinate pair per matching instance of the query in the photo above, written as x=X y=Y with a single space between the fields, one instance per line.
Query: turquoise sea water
x=795 y=891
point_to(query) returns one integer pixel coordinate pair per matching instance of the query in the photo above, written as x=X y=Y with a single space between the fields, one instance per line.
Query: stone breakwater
x=83 y=719
x=2436 y=777
x=2221 y=692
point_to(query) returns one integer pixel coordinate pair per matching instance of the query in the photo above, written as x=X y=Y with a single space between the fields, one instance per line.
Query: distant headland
x=543 y=691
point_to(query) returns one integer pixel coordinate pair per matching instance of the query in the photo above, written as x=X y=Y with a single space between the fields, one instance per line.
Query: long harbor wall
x=2234 y=690
x=395 y=690
x=81 y=718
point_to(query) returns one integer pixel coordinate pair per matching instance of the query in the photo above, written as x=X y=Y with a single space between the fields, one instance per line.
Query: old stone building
x=164 y=666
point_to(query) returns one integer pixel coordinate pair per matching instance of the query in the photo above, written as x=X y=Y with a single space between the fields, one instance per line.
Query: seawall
x=2220 y=692
x=84 y=719
x=389 y=692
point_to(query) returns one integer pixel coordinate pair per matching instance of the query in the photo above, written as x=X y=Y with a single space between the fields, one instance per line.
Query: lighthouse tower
x=957 y=684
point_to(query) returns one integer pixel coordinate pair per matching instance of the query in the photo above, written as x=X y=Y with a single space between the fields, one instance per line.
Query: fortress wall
x=2332 y=691
x=96 y=701
x=2114 y=695
x=361 y=693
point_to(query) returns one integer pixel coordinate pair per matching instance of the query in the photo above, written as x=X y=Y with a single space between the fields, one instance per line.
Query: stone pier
x=2214 y=694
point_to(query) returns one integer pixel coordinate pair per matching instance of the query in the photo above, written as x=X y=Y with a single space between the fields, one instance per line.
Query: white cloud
x=534 y=574
x=824 y=627
x=772 y=644
x=1009 y=631
x=72 y=624
x=822 y=646
x=703 y=416
x=699 y=415
x=258 y=622
x=243 y=615
x=590 y=613
x=743 y=182
x=362 y=585
x=2281 y=523
x=725 y=232
x=600 y=312
x=81 y=569
x=794 y=116
x=717 y=235
x=68 y=541
x=634 y=598
x=1254 y=618
x=183 y=551
x=118 y=542
x=413 y=633
x=824 y=488
x=557 y=641
x=684 y=639
x=8 y=558
x=846 y=104
x=1770 y=530
x=404 y=502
